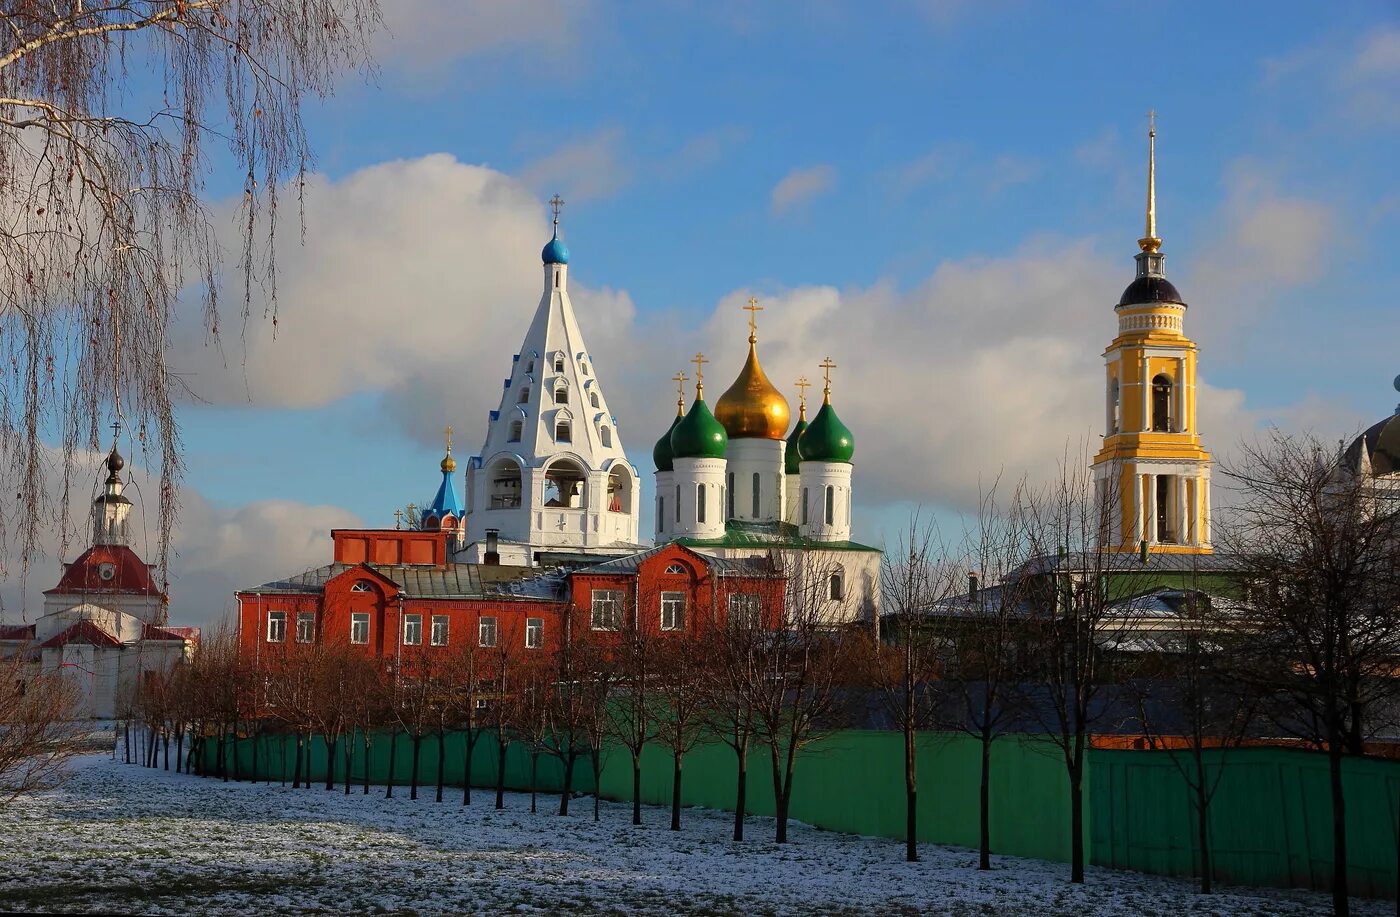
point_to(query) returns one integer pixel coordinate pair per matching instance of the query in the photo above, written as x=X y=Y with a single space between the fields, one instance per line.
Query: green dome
x=792 y=457
x=827 y=439
x=698 y=434
x=661 y=452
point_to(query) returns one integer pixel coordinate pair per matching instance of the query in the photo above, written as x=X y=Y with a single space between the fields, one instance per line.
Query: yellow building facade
x=1152 y=474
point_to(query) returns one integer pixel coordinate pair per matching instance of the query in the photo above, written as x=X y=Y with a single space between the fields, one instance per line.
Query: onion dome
x=115 y=463
x=753 y=408
x=661 y=452
x=698 y=434
x=827 y=439
x=793 y=458
x=555 y=252
x=1377 y=450
x=448 y=464
x=1150 y=289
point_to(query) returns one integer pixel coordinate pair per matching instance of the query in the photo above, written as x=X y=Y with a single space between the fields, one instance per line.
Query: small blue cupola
x=555 y=251
x=447 y=503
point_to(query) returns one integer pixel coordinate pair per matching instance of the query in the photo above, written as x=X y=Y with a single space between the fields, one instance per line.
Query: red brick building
x=395 y=594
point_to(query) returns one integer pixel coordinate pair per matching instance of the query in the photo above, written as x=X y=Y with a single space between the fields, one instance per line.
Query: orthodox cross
x=699 y=361
x=398 y=519
x=680 y=379
x=447 y=431
x=827 y=366
x=116 y=430
x=556 y=204
x=802 y=386
x=753 y=308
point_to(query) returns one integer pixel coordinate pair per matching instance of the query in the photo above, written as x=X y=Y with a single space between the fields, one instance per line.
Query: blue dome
x=556 y=252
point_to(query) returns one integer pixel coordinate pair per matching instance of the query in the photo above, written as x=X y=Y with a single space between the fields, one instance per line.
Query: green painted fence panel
x=1270 y=817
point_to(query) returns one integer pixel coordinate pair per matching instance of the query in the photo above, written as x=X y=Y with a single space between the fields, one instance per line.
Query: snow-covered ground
x=125 y=839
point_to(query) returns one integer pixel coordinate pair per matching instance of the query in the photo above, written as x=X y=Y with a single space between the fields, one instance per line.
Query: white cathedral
x=552 y=484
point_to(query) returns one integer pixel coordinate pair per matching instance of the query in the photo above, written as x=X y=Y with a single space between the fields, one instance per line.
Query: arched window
x=559 y=364
x=530 y=365
x=700 y=503
x=1161 y=404
x=564 y=485
x=660 y=513
x=524 y=395
x=563 y=432
x=362 y=586
x=729 y=502
x=1115 y=408
x=675 y=569
x=755 y=495
x=619 y=490
x=593 y=398
x=517 y=429
x=678 y=503
x=561 y=394
x=830 y=505
x=504 y=481
x=836 y=586
x=605 y=434
x=804 y=506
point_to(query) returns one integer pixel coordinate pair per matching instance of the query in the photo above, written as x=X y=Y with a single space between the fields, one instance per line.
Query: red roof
x=129 y=575
x=152 y=632
x=81 y=632
x=16 y=631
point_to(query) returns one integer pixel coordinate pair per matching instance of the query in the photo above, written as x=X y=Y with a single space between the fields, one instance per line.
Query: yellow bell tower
x=1152 y=466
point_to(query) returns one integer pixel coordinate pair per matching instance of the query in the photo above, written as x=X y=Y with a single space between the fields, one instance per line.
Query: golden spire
x=699 y=361
x=1150 y=242
x=802 y=386
x=753 y=408
x=680 y=379
x=827 y=366
x=449 y=464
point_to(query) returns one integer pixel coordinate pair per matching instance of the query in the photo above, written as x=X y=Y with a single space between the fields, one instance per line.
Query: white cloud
x=586 y=169
x=424 y=35
x=801 y=186
x=1361 y=75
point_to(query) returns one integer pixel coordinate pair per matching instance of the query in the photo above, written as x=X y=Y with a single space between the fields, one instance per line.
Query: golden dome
x=449 y=464
x=753 y=408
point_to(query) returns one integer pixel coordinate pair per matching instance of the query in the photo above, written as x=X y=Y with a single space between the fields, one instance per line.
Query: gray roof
x=1128 y=562
x=721 y=566
x=415 y=580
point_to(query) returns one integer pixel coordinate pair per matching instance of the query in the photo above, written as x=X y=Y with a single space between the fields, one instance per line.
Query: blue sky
x=943 y=195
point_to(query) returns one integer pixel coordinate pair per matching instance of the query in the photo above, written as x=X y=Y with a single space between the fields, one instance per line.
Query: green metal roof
x=770 y=535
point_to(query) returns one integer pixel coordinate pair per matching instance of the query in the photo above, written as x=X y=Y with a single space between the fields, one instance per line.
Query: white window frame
x=673 y=607
x=276 y=626
x=606 y=609
x=442 y=626
x=487 y=631
x=534 y=633
x=412 y=630
x=359 y=622
x=361 y=586
x=307 y=618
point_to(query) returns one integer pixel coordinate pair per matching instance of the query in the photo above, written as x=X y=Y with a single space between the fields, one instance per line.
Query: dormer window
x=517 y=427
x=563 y=432
x=605 y=435
x=559 y=364
x=593 y=398
x=524 y=395
x=561 y=395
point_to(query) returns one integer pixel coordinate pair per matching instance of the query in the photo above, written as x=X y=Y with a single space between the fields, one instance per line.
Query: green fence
x=1270 y=817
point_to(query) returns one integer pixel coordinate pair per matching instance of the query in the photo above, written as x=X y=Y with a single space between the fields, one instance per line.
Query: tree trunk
x=676 y=793
x=779 y=800
x=911 y=795
x=369 y=740
x=596 y=754
x=468 y=746
x=500 y=772
x=984 y=806
x=442 y=763
x=1076 y=823
x=1341 y=905
x=165 y=741
x=296 y=765
x=179 y=749
x=568 y=783
x=741 y=789
x=393 y=756
x=1203 y=822
x=413 y=776
x=349 y=759
x=331 y=743
x=637 y=787
x=126 y=735
x=534 y=781
x=257 y=742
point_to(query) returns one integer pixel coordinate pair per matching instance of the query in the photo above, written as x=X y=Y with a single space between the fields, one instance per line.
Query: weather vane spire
x=753 y=308
x=1150 y=242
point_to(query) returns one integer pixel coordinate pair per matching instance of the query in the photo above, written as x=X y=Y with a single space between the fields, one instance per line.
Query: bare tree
x=101 y=225
x=37 y=729
x=632 y=714
x=466 y=672
x=680 y=713
x=1321 y=545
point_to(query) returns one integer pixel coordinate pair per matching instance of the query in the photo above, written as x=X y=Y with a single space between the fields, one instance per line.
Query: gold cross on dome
x=447 y=432
x=398 y=519
x=699 y=361
x=680 y=379
x=827 y=366
x=802 y=386
x=753 y=308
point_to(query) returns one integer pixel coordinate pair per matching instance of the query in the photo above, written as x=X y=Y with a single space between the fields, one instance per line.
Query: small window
x=363 y=585
x=563 y=432
x=804 y=506
x=583 y=366
x=756 y=479
x=593 y=398
x=306 y=626
x=561 y=395
x=486 y=631
x=534 y=633
x=700 y=503
x=674 y=569
x=517 y=428
x=1162 y=420
x=530 y=365
x=412 y=630
x=836 y=587
x=607 y=609
x=744 y=609
x=661 y=512
x=559 y=364
x=605 y=434
x=276 y=626
x=524 y=397
x=440 y=625
x=673 y=611
x=729 y=500
x=678 y=504
x=359 y=627
x=830 y=505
